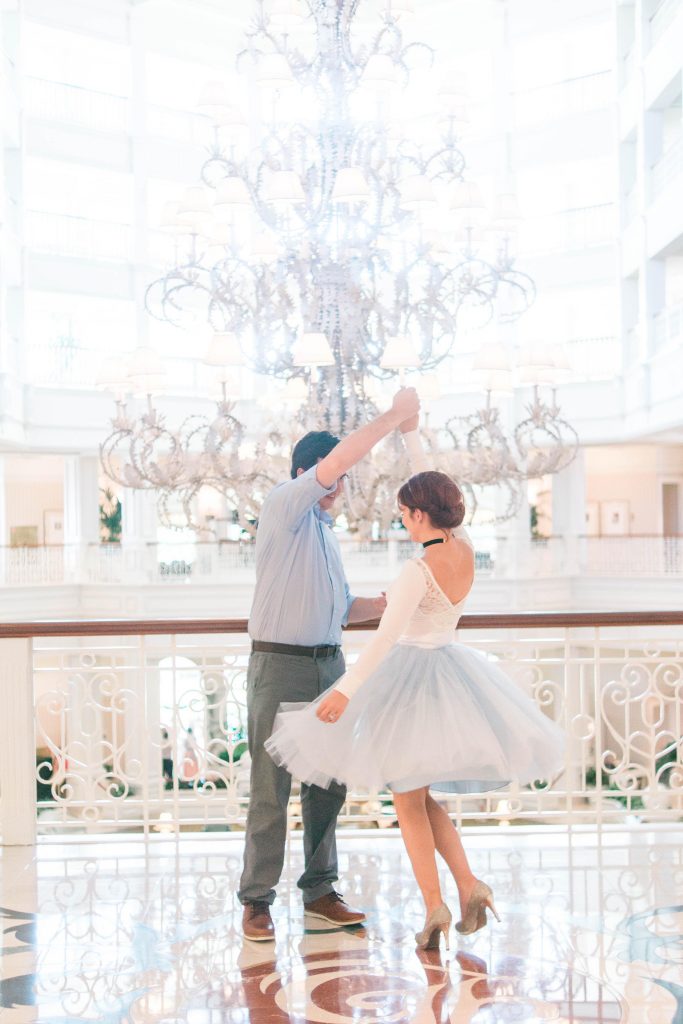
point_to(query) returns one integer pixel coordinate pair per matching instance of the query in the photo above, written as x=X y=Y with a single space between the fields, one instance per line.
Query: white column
x=17 y=744
x=81 y=511
x=569 y=510
x=4 y=538
x=139 y=522
x=139 y=163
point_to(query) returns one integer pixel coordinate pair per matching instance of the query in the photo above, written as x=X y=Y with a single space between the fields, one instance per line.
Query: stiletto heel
x=438 y=921
x=474 y=917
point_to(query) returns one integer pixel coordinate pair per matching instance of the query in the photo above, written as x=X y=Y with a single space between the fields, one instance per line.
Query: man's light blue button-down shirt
x=301 y=595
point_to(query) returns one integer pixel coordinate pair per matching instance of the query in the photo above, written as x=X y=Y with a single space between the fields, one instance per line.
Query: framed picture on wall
x=23 y=536
x=53 y=526
x=592 y=519
x=614 y=518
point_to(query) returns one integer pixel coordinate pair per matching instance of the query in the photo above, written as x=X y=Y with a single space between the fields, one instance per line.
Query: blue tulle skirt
x=444 y=717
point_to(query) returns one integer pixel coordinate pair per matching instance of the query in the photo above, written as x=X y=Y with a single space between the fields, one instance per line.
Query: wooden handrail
x=511 y=620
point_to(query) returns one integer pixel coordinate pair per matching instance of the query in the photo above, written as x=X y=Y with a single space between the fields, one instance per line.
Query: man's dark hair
x=312 y=446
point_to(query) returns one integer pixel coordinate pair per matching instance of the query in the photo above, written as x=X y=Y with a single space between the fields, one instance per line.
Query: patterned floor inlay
x=128 y=931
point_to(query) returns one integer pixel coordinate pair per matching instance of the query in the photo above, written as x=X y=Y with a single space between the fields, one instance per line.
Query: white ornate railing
x=78 y=365
x=668 y=327
x=567 y=230
x=633 y=556
x=596 y=358
x=668 y=169
x=82 y=237
x=185 y=126
x=560 y=99
x=71 y=104
x=84 y=705
x=223 y=562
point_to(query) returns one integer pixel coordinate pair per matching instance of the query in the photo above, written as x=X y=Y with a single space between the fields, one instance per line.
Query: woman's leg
x=447 y=841
x=417 y=835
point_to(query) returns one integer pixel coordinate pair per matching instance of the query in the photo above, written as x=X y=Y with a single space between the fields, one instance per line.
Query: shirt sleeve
x=403 y=599
x=290 y=501
x=417 y=456
x=350 y=598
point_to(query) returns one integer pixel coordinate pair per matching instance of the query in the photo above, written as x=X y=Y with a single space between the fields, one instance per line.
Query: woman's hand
x=332 y=707
x=409 y=424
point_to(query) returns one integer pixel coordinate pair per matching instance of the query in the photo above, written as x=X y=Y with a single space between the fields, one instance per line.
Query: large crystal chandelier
x=341 y=251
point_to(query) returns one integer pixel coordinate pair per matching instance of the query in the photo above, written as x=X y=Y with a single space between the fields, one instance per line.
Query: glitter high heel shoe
x=438 y=921
x=474 y=917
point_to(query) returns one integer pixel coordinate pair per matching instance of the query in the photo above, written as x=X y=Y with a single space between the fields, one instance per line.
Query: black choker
x=437 y=540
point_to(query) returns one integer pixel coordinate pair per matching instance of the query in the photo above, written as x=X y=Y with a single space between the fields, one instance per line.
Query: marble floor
x=126 y=931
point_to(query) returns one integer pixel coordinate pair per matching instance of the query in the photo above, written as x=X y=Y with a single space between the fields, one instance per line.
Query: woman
x=434 y=714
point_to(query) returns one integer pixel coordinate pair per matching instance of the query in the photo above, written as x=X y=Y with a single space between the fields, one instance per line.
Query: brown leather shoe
x=257 y=924
x=333 y=909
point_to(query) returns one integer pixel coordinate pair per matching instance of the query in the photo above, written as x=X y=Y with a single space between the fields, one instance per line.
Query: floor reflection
x=127 y=931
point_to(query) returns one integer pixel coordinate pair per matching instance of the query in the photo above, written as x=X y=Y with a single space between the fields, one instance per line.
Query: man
x=301 y=602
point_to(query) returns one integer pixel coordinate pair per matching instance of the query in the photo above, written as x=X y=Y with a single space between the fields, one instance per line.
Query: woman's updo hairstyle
x=437 y=496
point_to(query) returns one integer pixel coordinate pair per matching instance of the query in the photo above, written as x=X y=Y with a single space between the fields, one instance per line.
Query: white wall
x=34 y=484
x=634 y=473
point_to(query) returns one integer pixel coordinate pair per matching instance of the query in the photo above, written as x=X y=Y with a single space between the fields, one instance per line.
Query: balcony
x=668 y=169
x=668 y=328
x=569 y=230
x=563 y=99
x=84 y=727
x=77 y=366
x=78 y=237
x=228 y=562
x=81 y=108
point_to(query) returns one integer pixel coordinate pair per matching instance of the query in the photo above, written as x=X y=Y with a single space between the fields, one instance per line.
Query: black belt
x=324 y=651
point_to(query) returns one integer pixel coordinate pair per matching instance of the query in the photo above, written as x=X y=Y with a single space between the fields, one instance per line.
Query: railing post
x=17 y=744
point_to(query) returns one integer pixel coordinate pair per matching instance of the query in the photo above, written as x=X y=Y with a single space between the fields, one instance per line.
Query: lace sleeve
x=404 y=597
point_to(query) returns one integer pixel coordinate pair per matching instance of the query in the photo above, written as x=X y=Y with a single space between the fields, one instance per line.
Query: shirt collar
x=323 y=516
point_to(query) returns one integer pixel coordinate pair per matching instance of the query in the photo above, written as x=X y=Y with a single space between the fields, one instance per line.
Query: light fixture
x=350 y=186
x=347 y=234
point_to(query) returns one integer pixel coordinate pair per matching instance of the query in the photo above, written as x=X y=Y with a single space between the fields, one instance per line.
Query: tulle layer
x=445 y=717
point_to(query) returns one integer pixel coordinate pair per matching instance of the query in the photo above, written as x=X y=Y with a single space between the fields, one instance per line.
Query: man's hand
x=409 y=424
x=406 y=403
x=332 y=707
x=365 y=609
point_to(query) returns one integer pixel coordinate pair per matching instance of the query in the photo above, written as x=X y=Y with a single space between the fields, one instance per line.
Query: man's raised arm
x=351 y=449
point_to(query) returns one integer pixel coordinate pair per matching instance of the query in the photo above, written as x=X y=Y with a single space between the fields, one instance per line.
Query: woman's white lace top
x=418 y=612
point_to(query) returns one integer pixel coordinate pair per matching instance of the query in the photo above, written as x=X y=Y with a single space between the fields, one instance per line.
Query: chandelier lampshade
x=224 y=350
x=537 y=364
x=312 y=349
x=467 y=195
x=416 y=192
x=195 y=200
x=264 y=247
x=273 y=70
x=284 y=14
x=285 y=187
x=506 y=211
x=214 y=96
x=399 y=353
x=350 y=186
x=380 y=71
x=231 y=192
x=146 y=371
